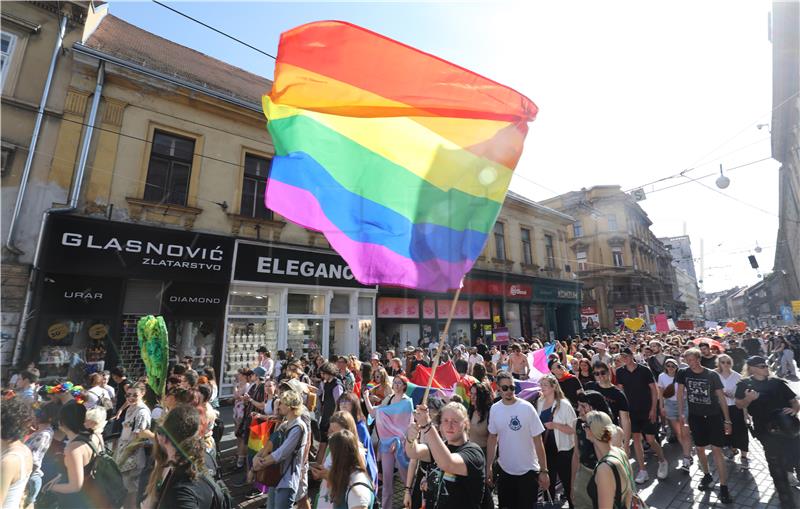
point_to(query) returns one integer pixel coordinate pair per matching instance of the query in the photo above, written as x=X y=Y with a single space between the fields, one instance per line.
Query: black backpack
x=106 y=476
x=222 y=497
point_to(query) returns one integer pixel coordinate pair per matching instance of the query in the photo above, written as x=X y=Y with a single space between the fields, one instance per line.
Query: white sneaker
x=663 y=469
x=793 y=480
x=642 y=476
x=686 y=464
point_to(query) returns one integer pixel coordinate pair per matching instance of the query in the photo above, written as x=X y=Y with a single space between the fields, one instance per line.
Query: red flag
x=446 y=376
x=422 y=375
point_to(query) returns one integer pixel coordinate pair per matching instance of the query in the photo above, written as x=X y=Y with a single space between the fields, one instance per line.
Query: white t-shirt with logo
x=515 y=426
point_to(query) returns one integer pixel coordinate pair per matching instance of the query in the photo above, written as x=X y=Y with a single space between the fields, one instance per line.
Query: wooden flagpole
x=441 y=343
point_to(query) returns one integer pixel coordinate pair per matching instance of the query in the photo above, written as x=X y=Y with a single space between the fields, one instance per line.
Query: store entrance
x=338 y=340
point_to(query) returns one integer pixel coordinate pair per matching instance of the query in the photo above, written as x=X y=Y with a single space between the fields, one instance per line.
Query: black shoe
x=724 y=496
x=706 y=482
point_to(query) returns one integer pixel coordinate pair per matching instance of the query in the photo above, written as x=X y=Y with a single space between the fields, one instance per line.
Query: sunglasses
x=505 y=388
x=557 y=366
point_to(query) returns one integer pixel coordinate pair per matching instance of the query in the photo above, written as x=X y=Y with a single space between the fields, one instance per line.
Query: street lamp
x=722 y=180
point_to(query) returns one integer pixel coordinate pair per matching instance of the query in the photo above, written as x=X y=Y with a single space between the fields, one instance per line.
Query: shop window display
x=74 y=343
x=305 y=335
x=195 y=339
x=252 y=322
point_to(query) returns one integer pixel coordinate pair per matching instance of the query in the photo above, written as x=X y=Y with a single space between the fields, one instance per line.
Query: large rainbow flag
x=402 y=160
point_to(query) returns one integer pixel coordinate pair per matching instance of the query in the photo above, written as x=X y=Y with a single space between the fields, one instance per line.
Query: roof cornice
x=111 y=59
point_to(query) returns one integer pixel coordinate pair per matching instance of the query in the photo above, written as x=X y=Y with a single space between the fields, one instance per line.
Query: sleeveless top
x=591 y=486
x=17 y=489
x=89 y=494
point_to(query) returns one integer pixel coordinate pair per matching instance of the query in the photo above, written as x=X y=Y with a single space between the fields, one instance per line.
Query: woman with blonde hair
x=383 y=386
x=558 y=417
x=288 y=454
x=739 y=439
x=611 y=484
x=457 y=477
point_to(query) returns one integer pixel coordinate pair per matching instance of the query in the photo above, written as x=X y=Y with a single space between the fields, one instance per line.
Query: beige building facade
x=625 y=269
x=35 y=72
x=521 y=286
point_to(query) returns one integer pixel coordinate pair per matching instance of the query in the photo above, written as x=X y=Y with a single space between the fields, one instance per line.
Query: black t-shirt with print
x=614 y=397
x=450 y=491
x=773 y=393
x=709 y=362
x=701 y=390
x=636 y=384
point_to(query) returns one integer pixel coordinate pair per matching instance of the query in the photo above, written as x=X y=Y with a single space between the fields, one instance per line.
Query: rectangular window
x=254 y=186
x=580 y=257
x=612 y=223
x=499 y=241
x=527 y=258
x=616 y=256
x=577 y=229
x=170 y=169
x=7 y=43
x=549 y=252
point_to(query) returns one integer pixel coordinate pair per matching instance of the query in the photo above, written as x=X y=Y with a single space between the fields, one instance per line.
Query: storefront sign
x=429 y=309
x=79 y=245
x=513 y=291
x=80 y=296
x=556 y=293
x=397 y=307
x=183 y=299
x=480 y=310
x=58 y=331
x=270 y=264
x=461 y=311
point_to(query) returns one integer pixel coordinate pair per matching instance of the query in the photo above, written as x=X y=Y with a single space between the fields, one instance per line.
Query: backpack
x=105 y=474
x=222 y=497
x=637 y=502
x=359 y=483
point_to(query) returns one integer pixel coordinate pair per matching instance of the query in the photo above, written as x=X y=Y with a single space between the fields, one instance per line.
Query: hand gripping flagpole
x=441 y=343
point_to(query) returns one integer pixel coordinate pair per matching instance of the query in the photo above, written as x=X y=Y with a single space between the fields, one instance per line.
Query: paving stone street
x=750 y=488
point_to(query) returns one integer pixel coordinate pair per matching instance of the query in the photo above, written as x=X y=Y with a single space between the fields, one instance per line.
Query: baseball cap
x=756 y=360
x=260 y=372
x=626 y=351
x=262 y=349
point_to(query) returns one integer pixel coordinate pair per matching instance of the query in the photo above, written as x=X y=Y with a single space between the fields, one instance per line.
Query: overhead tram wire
x=680 y=174
x=707 y=175
x=176 y=11
x=695 y=166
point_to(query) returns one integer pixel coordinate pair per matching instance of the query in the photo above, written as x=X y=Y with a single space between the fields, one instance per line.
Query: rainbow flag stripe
x=402 y=160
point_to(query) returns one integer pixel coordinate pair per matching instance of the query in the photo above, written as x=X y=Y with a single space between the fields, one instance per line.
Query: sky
x=629 y=93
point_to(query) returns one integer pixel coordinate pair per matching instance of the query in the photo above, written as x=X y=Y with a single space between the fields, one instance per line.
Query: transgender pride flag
x=537 y=361
x=392 y=422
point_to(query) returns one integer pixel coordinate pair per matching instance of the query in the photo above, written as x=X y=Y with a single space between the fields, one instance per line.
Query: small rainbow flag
x=259 y=434
x=401 y=159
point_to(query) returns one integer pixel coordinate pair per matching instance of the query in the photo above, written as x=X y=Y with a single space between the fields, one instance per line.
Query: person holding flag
x=392 y=418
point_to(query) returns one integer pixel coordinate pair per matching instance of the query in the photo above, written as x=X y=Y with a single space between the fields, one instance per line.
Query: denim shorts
x=671 y=409
x=34 y=487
